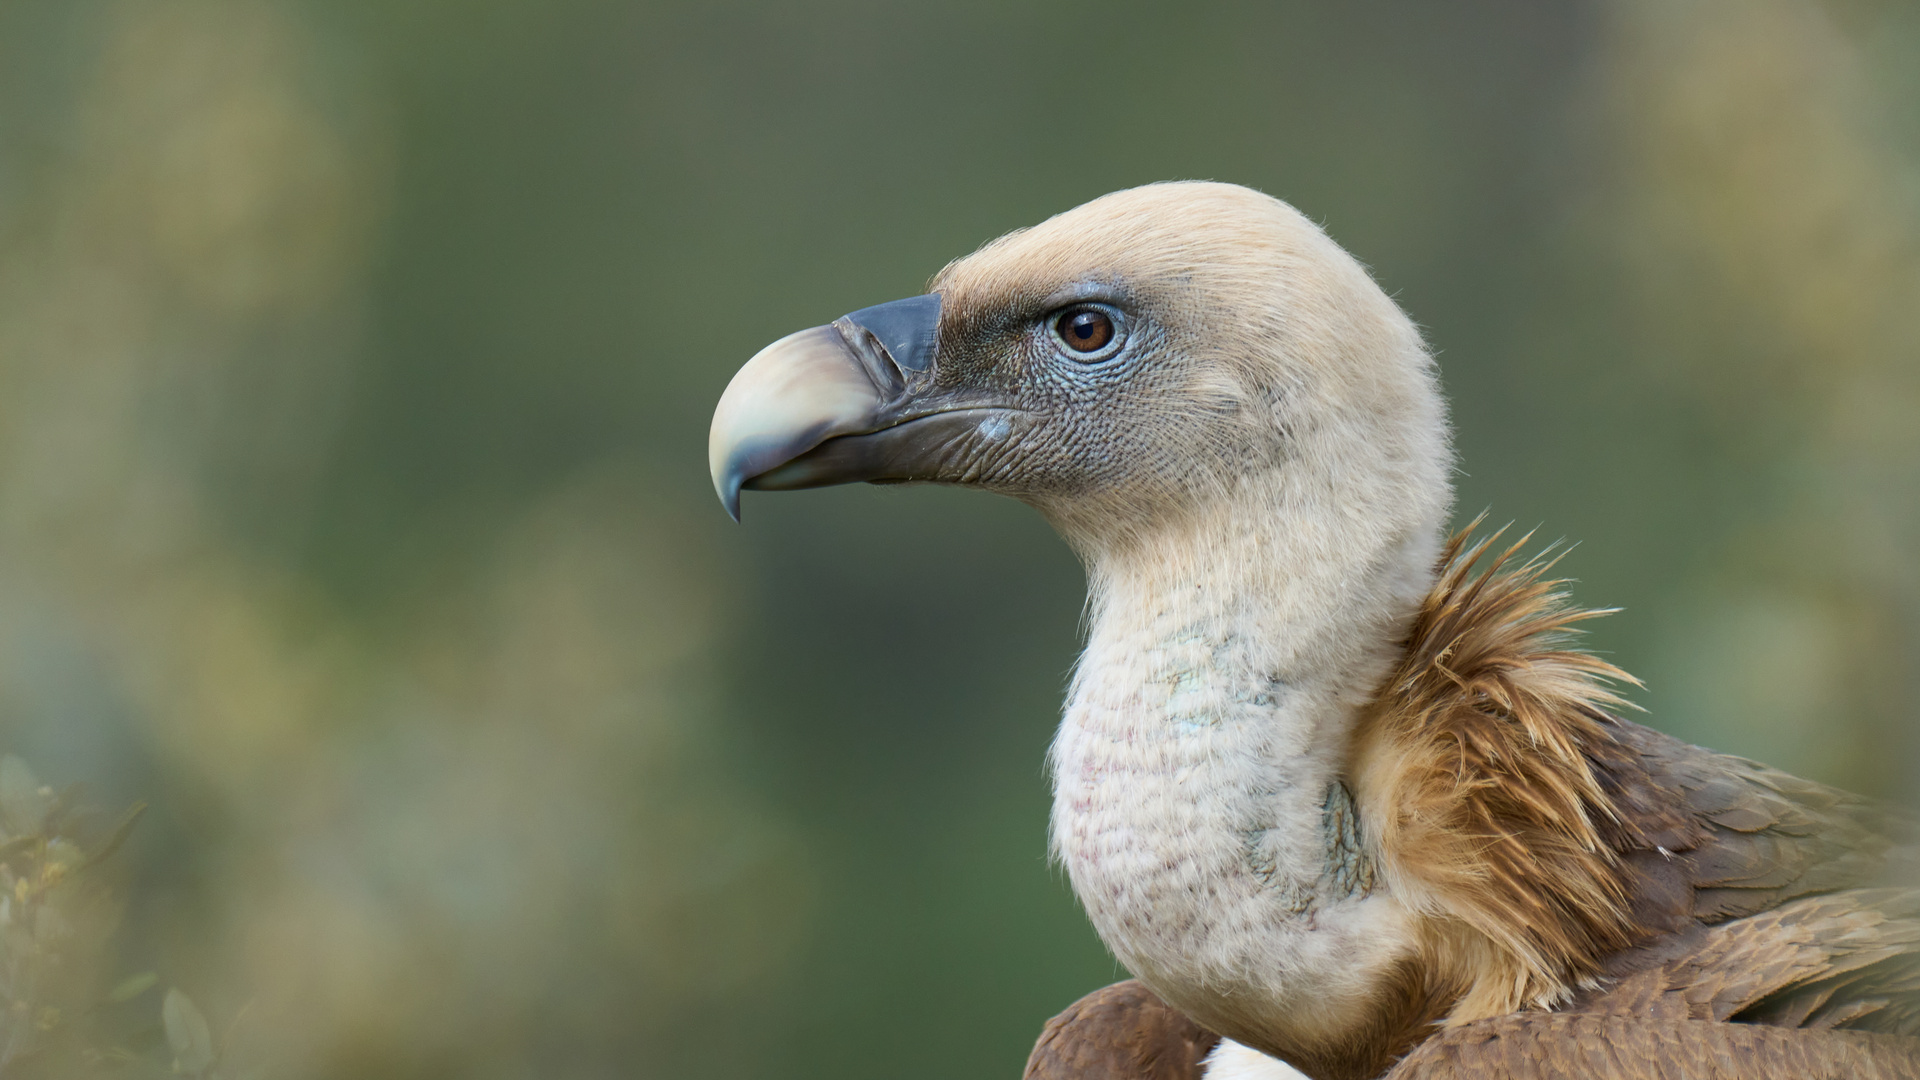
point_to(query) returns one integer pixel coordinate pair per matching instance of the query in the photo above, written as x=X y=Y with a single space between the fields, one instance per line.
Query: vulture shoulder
x=1553 y=845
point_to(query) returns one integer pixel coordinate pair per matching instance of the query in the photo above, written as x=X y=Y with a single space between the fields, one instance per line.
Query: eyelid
x=1108 y=293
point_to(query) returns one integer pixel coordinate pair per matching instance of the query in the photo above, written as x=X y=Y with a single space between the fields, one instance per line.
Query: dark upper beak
x=839 y=404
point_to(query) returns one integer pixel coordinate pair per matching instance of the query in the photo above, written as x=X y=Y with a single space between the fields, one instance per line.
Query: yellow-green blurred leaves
x=58 y=918
x=1764 y=203
x=1763 y=209
x=132 y=987
x=401 y=835
x=211 y=148
x=187 y=1034
x=23 y=801
x=214 y=185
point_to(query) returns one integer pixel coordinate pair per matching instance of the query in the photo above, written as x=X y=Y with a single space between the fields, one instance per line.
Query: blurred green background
x=356 y=360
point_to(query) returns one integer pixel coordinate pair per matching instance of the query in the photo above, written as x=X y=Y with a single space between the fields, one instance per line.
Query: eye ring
x=1087 y=333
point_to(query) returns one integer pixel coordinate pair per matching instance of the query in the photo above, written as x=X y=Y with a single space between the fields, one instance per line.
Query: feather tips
x=1488 y=814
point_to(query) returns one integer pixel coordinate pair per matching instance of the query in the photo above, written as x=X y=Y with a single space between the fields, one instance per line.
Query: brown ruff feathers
x=1473 y=769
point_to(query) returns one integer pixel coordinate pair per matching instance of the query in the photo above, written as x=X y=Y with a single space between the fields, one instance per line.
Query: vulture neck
x=1312 y=602
x=1201 y=803
x=1256 y=601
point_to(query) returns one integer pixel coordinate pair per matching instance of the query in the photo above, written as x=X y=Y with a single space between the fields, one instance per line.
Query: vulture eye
x=1088 y=332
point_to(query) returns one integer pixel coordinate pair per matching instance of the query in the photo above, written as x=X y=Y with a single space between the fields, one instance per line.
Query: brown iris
x=1084 y=330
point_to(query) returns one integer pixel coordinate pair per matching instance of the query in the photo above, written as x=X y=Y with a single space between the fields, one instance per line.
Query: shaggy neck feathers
x=1475 y=771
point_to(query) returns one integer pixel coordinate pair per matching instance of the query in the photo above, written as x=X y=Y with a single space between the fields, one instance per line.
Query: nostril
x=888 y=376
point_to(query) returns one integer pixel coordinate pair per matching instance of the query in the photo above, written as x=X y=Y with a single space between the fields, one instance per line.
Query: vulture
x=1337 y=788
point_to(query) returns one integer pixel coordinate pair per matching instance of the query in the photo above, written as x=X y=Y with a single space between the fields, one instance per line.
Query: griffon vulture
x=1337 y=790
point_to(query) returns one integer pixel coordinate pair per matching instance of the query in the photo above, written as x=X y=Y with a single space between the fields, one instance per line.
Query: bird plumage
x=1329 y=790
x=1581 y=865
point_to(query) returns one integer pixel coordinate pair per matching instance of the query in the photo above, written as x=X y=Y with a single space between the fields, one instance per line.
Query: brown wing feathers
x=1846 y=959
x=1558 y=1046
x=1120 y=1032
x=1721 y=837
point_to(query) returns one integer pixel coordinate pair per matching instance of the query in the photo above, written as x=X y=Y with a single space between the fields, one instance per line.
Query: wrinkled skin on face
x=1130 y=428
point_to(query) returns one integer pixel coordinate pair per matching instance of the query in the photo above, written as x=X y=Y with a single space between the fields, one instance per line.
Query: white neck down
x=1200 y=801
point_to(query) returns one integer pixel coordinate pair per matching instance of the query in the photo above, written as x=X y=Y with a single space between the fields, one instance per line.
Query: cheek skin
x=1087 y=428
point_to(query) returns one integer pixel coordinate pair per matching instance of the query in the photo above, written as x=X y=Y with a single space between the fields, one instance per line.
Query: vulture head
x=1125 y=367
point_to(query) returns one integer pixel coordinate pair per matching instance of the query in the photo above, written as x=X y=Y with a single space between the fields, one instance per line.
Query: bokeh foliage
x=61 y=1016
x=355 y=365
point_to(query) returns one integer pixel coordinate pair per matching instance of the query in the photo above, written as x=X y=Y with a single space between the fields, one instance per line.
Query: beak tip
x=727 y=486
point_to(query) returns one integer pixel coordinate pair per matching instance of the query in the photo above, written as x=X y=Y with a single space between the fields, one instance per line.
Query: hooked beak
x=840 y=404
